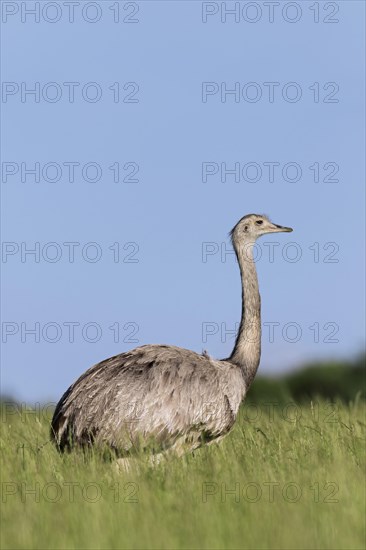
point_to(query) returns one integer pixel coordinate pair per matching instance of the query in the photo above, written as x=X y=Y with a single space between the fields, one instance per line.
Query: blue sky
x=166 y=284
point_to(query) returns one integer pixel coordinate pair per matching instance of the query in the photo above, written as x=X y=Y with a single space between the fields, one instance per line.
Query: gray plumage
x=167 y=397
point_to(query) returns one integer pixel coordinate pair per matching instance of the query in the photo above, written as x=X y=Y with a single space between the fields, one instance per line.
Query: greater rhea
x=160 y=397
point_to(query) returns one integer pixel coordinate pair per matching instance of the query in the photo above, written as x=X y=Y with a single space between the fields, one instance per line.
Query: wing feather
x=152 y=392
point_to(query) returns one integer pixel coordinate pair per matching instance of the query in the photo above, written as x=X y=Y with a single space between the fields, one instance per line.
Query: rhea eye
x=259 y=222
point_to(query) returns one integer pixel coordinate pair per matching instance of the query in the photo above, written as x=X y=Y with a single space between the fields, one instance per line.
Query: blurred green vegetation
x=332 y=380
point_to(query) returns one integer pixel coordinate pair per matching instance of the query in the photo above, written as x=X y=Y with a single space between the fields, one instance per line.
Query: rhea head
x=252 y=226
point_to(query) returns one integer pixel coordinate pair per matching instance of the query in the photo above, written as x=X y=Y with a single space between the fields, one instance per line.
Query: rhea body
x=173 y=397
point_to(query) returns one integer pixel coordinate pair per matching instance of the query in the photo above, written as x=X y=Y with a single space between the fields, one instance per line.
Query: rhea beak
x=280 y=229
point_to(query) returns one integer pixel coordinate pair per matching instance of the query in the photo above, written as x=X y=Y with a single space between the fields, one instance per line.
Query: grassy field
x=286 y=477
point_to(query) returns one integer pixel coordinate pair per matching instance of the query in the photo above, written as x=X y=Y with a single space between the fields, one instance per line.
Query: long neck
x=247 y=349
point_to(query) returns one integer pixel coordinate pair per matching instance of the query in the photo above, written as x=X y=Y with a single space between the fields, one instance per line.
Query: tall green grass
x=288 y=476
